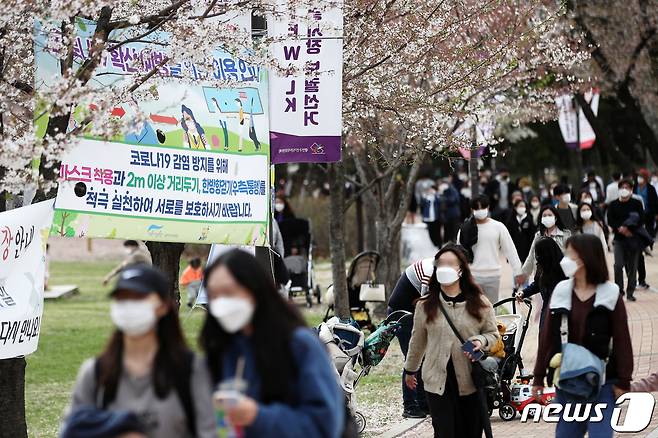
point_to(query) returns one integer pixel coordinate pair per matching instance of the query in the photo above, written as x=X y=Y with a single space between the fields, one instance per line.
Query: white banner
x=571 y=123
x=23 y=237
x=306 y=108
x=159 y=193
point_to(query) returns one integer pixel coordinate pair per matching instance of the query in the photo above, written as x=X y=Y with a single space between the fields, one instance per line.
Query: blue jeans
x=411 y=398
x=601 y=429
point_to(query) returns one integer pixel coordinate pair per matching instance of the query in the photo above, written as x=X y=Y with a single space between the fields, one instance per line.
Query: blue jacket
x=317 y=408
x=451 y=204
x=426 y=206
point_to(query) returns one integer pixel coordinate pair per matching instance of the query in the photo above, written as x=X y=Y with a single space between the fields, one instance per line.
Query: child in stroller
x=350 y=351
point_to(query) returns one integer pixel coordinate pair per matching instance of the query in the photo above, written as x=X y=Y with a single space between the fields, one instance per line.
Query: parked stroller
x=351 y=351
x=298 y=258
x=361 y=288
x=499 y=396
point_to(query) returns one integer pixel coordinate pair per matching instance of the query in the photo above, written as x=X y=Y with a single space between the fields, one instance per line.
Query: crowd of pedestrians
x=558 y=239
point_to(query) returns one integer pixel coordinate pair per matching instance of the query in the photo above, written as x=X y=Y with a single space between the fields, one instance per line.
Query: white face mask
x=586 y=215
x=133 y=317
x=548 y=221
x=279 y=207
x=640 y=180
x=466 y=192
x=592 y=186
x=481 y=214
x=566 y=198
x=520 y=211
x=587 y=201
x=624 y=193
x=446 y=275
x=569 y=266
x=129 y=250
x=233 y=314
x=535 y=204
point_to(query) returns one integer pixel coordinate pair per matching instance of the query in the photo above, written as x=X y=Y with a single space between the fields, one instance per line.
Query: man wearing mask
x=648 y=194
x=487 y=243
x=568 y=212
x=626 y=257
x=499 y=191
x=134 y=256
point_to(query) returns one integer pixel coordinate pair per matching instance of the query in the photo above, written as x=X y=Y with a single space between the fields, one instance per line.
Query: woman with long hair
x=146 y=367
x=521 y=227
x=588 y=222
x=251 y=330
x=548 y=273
x=194 y=136
x=451 y=394
x=586 y=321
x=550 y=225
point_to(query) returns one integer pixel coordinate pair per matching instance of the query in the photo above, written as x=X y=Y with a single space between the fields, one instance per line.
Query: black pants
x=455 y=416
x=434 y=229
x=641 y=270
x=450 y=229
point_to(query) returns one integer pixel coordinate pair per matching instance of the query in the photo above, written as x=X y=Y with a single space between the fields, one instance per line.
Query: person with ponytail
x=452 y=397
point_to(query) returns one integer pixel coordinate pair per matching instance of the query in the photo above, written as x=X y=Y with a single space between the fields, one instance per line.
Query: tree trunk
x=166 y=256
x=12 y=400
x=337 y=241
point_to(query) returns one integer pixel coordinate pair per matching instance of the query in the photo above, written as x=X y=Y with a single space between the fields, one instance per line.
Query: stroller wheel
x=507 y=412
x=360 y=422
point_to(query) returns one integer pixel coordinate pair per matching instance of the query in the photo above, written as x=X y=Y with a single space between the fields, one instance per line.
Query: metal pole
x=579 y=153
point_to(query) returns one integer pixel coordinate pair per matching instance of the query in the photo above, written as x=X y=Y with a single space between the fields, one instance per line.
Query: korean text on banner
x=574 y=126
x=306 y=107
x=23 y=237
x=169 y=194
x=195 y=171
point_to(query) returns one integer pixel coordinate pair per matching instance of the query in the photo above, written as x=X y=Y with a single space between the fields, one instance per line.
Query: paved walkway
x=643 y=322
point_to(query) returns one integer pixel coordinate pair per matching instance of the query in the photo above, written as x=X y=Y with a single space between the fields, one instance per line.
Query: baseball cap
x=141 y=278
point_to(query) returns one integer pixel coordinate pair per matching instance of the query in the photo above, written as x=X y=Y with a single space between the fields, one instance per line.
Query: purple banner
x=287 y=148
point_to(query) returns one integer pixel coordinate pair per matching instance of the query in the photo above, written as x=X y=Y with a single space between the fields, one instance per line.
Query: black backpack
x=182 y=386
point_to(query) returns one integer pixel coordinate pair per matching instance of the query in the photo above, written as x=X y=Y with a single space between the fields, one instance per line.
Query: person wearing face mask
x=595 y=318
x=594 y=187
x=134 y=256
x=282 y=209
x=566 y=210
x=487 y=239
x=291 y=386
x=451 y=394
x=499 y=191
x=589 y=223
x=521 y=228
x=451 y=211
x=430 y=207
x=146 y=367
x=535 y=207
x=626 y=256
x=612 y=189
x=648 y=194
x=550 y=225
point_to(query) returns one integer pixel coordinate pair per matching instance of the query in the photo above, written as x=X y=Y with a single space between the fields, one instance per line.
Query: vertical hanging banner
x=306 y=106
x=23 y=237
x=196 y=170
x=574 y=125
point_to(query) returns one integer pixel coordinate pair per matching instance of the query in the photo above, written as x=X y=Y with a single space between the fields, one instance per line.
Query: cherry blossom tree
x=415 y=71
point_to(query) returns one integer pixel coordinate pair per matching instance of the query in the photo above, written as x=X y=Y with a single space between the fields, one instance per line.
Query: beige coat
x=437 y=343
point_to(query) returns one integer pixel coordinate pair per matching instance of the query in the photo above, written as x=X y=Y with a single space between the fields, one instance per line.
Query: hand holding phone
x=470 y=350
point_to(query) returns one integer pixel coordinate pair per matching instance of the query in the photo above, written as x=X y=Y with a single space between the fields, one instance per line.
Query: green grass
x=74 y=329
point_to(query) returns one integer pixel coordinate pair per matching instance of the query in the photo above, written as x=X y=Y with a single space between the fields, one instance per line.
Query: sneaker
x=414 y=412
x=643 y=285
x=631 y=299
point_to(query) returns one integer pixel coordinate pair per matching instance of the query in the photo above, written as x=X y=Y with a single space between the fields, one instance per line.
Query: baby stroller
x=516 y=326
x=298 y=258
x=351 y=351
x=361 y=289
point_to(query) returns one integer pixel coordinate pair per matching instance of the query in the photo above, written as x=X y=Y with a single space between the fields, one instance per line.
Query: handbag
x=483 y=376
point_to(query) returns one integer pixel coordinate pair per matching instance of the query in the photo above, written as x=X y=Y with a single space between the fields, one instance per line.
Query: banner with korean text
x=194 y=166
x=23 y=237
x=306 y=106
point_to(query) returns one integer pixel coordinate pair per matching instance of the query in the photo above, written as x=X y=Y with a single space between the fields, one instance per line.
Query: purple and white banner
x=305 y=106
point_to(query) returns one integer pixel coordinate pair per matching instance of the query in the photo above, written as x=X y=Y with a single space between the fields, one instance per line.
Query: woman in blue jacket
x=292 y=389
